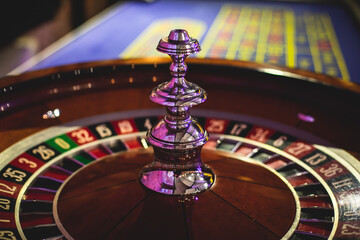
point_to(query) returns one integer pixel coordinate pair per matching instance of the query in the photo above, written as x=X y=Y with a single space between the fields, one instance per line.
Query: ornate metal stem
x=177 y=138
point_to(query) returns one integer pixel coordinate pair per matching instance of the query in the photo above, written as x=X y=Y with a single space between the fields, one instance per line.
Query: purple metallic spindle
x=177 y=139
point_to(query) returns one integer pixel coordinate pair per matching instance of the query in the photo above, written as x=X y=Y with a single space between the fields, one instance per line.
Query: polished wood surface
x=267 y=68
x=105 y=200
x=270 y=93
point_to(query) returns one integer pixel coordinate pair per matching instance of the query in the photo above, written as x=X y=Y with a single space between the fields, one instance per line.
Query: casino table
x=283 y=146
x=317 y=37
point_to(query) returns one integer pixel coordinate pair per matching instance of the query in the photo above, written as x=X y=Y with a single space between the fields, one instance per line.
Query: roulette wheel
x=281 y=160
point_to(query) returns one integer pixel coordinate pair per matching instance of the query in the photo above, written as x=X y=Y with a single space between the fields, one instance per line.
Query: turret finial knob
x=177 y=43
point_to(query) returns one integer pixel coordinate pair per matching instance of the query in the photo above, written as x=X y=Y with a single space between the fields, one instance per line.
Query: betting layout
x=325 y=183
x=276 y=35
x=301 y=35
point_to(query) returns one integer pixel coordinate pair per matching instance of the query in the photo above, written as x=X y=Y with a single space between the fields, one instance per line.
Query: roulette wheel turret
x=177 y=139
x=76 y=163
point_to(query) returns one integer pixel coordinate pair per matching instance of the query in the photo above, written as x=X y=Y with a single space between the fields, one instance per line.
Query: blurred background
x=27 y=27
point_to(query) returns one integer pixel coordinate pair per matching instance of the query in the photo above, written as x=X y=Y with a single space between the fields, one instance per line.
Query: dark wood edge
x=8 y=80
x=266 y=68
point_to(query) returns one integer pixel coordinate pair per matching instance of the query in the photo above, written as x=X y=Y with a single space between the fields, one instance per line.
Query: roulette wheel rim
x=130 y=63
